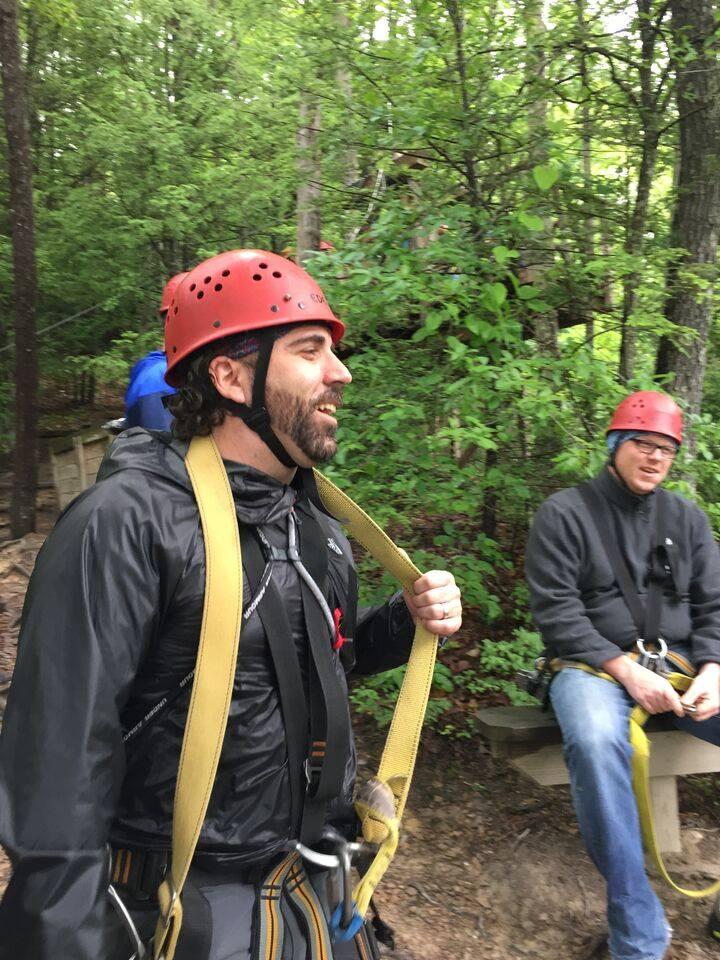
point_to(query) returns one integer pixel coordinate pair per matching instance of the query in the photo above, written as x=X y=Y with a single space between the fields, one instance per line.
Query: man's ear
x=231 y=378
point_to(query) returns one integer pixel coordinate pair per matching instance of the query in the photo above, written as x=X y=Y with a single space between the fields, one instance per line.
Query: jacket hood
x=258 y=497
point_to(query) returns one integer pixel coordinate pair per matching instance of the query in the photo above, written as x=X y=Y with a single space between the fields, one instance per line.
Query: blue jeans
x=593 y=716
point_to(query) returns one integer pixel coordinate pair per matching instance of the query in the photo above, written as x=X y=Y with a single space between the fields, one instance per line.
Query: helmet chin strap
x=256 y=415
x=621 y=478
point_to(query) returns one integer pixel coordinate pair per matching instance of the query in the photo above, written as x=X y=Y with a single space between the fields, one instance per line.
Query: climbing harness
x=379 y=804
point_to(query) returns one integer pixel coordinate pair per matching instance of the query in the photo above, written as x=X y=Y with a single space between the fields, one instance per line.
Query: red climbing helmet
x=650 y=411
x=168 y=291
x=237 y=291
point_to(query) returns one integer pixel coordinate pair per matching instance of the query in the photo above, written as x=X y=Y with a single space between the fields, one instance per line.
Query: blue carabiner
x=340 y=934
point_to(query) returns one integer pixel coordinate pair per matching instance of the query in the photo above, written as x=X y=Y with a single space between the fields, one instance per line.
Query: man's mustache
x=331 y=396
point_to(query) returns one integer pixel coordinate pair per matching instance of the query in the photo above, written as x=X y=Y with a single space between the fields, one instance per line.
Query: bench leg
x=664 y=796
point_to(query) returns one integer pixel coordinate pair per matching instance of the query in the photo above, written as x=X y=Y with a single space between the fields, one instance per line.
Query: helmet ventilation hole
x=174 y=349
x=287 y=298
x=217 y=323
x=192 y=287
x=226 y=273
x=277 y=274
x=218 y=287
x=263 y=266
x=200 y=295
x=207 y=279
x=301 y=305
x=274 y=308
x=256 y=276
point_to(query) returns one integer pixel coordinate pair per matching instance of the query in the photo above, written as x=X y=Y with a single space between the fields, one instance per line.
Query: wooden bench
x=530 y=740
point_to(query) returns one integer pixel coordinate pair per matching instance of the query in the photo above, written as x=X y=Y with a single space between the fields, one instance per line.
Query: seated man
x=580 y=608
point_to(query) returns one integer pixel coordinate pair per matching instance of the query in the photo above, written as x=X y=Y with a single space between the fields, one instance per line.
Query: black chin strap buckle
x=257 y=418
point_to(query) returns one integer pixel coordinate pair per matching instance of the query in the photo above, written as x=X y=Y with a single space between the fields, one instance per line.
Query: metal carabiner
x=341 y=862
x=129 y=924
x=651 y=659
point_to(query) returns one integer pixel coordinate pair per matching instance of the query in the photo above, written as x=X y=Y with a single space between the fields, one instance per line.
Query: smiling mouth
x=329 y=409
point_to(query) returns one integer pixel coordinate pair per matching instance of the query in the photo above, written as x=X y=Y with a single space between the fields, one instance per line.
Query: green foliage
x=480 y=207
x=375 y=697
x=457 y=691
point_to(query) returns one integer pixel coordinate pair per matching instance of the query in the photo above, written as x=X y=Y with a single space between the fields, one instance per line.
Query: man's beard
x=297 y=418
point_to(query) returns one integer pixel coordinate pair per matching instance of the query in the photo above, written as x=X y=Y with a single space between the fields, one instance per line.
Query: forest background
x=522 y=201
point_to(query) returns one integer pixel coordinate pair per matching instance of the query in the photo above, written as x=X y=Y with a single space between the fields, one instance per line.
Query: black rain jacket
x=574 y=597
x=110 y=626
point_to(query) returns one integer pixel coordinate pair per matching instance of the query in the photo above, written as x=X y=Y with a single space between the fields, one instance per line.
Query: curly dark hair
x=197 y=406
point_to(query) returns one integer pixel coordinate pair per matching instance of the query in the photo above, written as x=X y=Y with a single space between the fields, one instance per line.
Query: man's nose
x=337 y=372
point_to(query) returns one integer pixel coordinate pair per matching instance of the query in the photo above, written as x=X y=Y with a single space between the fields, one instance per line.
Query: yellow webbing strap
x=214 y=676
x=398 y=758
x=640 y=744
x=641 y=784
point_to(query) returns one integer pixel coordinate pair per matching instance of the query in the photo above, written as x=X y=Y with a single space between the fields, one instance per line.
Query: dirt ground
x=490 y=865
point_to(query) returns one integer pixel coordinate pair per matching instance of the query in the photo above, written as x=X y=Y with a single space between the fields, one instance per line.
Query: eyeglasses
x=648 y=447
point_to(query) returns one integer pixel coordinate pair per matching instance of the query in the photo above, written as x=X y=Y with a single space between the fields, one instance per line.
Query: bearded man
x=90 y=749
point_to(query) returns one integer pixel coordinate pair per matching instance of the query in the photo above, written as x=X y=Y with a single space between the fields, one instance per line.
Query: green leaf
x=434 y=320
x=528 y=292
x=503 y=254
x=496 y=294
x=457 y=347
x=539 y=306
x=545 y=176
x=531 y=221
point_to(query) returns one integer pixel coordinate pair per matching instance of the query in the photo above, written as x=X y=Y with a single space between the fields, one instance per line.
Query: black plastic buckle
x=257 y=418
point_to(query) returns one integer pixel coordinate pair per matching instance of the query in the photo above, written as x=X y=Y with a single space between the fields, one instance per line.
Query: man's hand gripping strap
x=641 y=785
x=214 y=676
x=641 y=766
x=381 y=809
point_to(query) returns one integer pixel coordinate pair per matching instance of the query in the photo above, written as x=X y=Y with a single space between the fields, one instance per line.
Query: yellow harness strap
x=641 y=784
x=215 y=672
x=213 y=683
x=640 y=744
x=398 y=759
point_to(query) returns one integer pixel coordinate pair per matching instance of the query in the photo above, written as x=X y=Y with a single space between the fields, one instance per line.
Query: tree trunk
x=457 y=16
x=351 y=169
x=633 y=245
x=588 y=237
x=636 y=228
x=696 y=216
x=538 y=258
x=22 y=507
x=308 y=191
